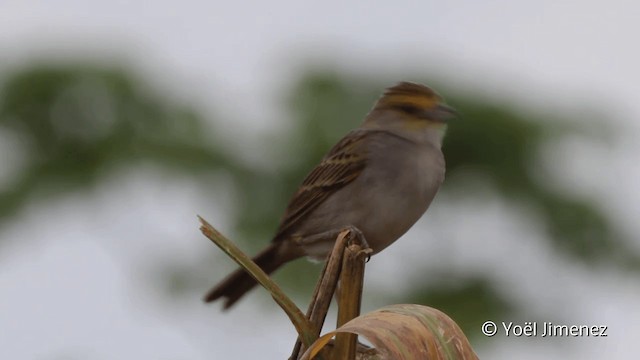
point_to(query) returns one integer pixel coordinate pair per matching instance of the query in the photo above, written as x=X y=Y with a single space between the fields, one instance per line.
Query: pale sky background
x=76 y=281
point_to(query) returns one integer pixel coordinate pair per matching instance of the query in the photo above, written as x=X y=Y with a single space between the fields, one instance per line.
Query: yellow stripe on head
x=406 y=94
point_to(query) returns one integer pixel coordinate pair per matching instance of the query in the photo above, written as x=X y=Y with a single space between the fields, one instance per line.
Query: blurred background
x=121 y=121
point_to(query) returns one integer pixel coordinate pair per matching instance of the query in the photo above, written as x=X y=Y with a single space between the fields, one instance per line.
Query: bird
x=379 y=179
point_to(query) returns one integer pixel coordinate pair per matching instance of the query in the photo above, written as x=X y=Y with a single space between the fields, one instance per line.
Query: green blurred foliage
x=470 y=302
x=78 y=123
x=503 y=146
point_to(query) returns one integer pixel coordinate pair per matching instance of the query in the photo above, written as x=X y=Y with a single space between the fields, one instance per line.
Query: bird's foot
x=357 y=234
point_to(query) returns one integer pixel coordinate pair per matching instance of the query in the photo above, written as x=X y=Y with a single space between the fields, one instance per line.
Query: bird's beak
x=443 y=113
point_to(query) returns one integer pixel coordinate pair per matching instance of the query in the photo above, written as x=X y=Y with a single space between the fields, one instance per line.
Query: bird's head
x=410 y=108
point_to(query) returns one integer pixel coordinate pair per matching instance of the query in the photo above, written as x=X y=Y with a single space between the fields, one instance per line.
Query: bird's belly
x=391 y=213
x=382 y=207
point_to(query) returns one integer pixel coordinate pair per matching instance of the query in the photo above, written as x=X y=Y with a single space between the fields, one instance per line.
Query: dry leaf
x=406 y=332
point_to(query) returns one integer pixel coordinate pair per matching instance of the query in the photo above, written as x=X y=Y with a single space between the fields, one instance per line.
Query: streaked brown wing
x=340 y=166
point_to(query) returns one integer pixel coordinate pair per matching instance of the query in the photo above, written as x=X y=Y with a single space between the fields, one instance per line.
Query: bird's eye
x=409 y=109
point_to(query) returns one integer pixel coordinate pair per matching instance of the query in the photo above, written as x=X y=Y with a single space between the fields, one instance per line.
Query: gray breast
x=395 y=189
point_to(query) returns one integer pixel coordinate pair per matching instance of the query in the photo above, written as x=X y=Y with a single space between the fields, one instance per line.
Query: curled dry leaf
x=406 y=332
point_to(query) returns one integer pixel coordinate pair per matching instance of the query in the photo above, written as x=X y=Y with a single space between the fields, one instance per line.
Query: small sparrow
x=380 y=178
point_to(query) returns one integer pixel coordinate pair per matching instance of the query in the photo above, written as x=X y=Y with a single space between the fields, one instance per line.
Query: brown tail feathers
x=240 y=282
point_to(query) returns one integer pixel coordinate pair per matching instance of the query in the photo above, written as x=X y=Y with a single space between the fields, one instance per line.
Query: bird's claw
x=368 y=252
x=357 y=234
